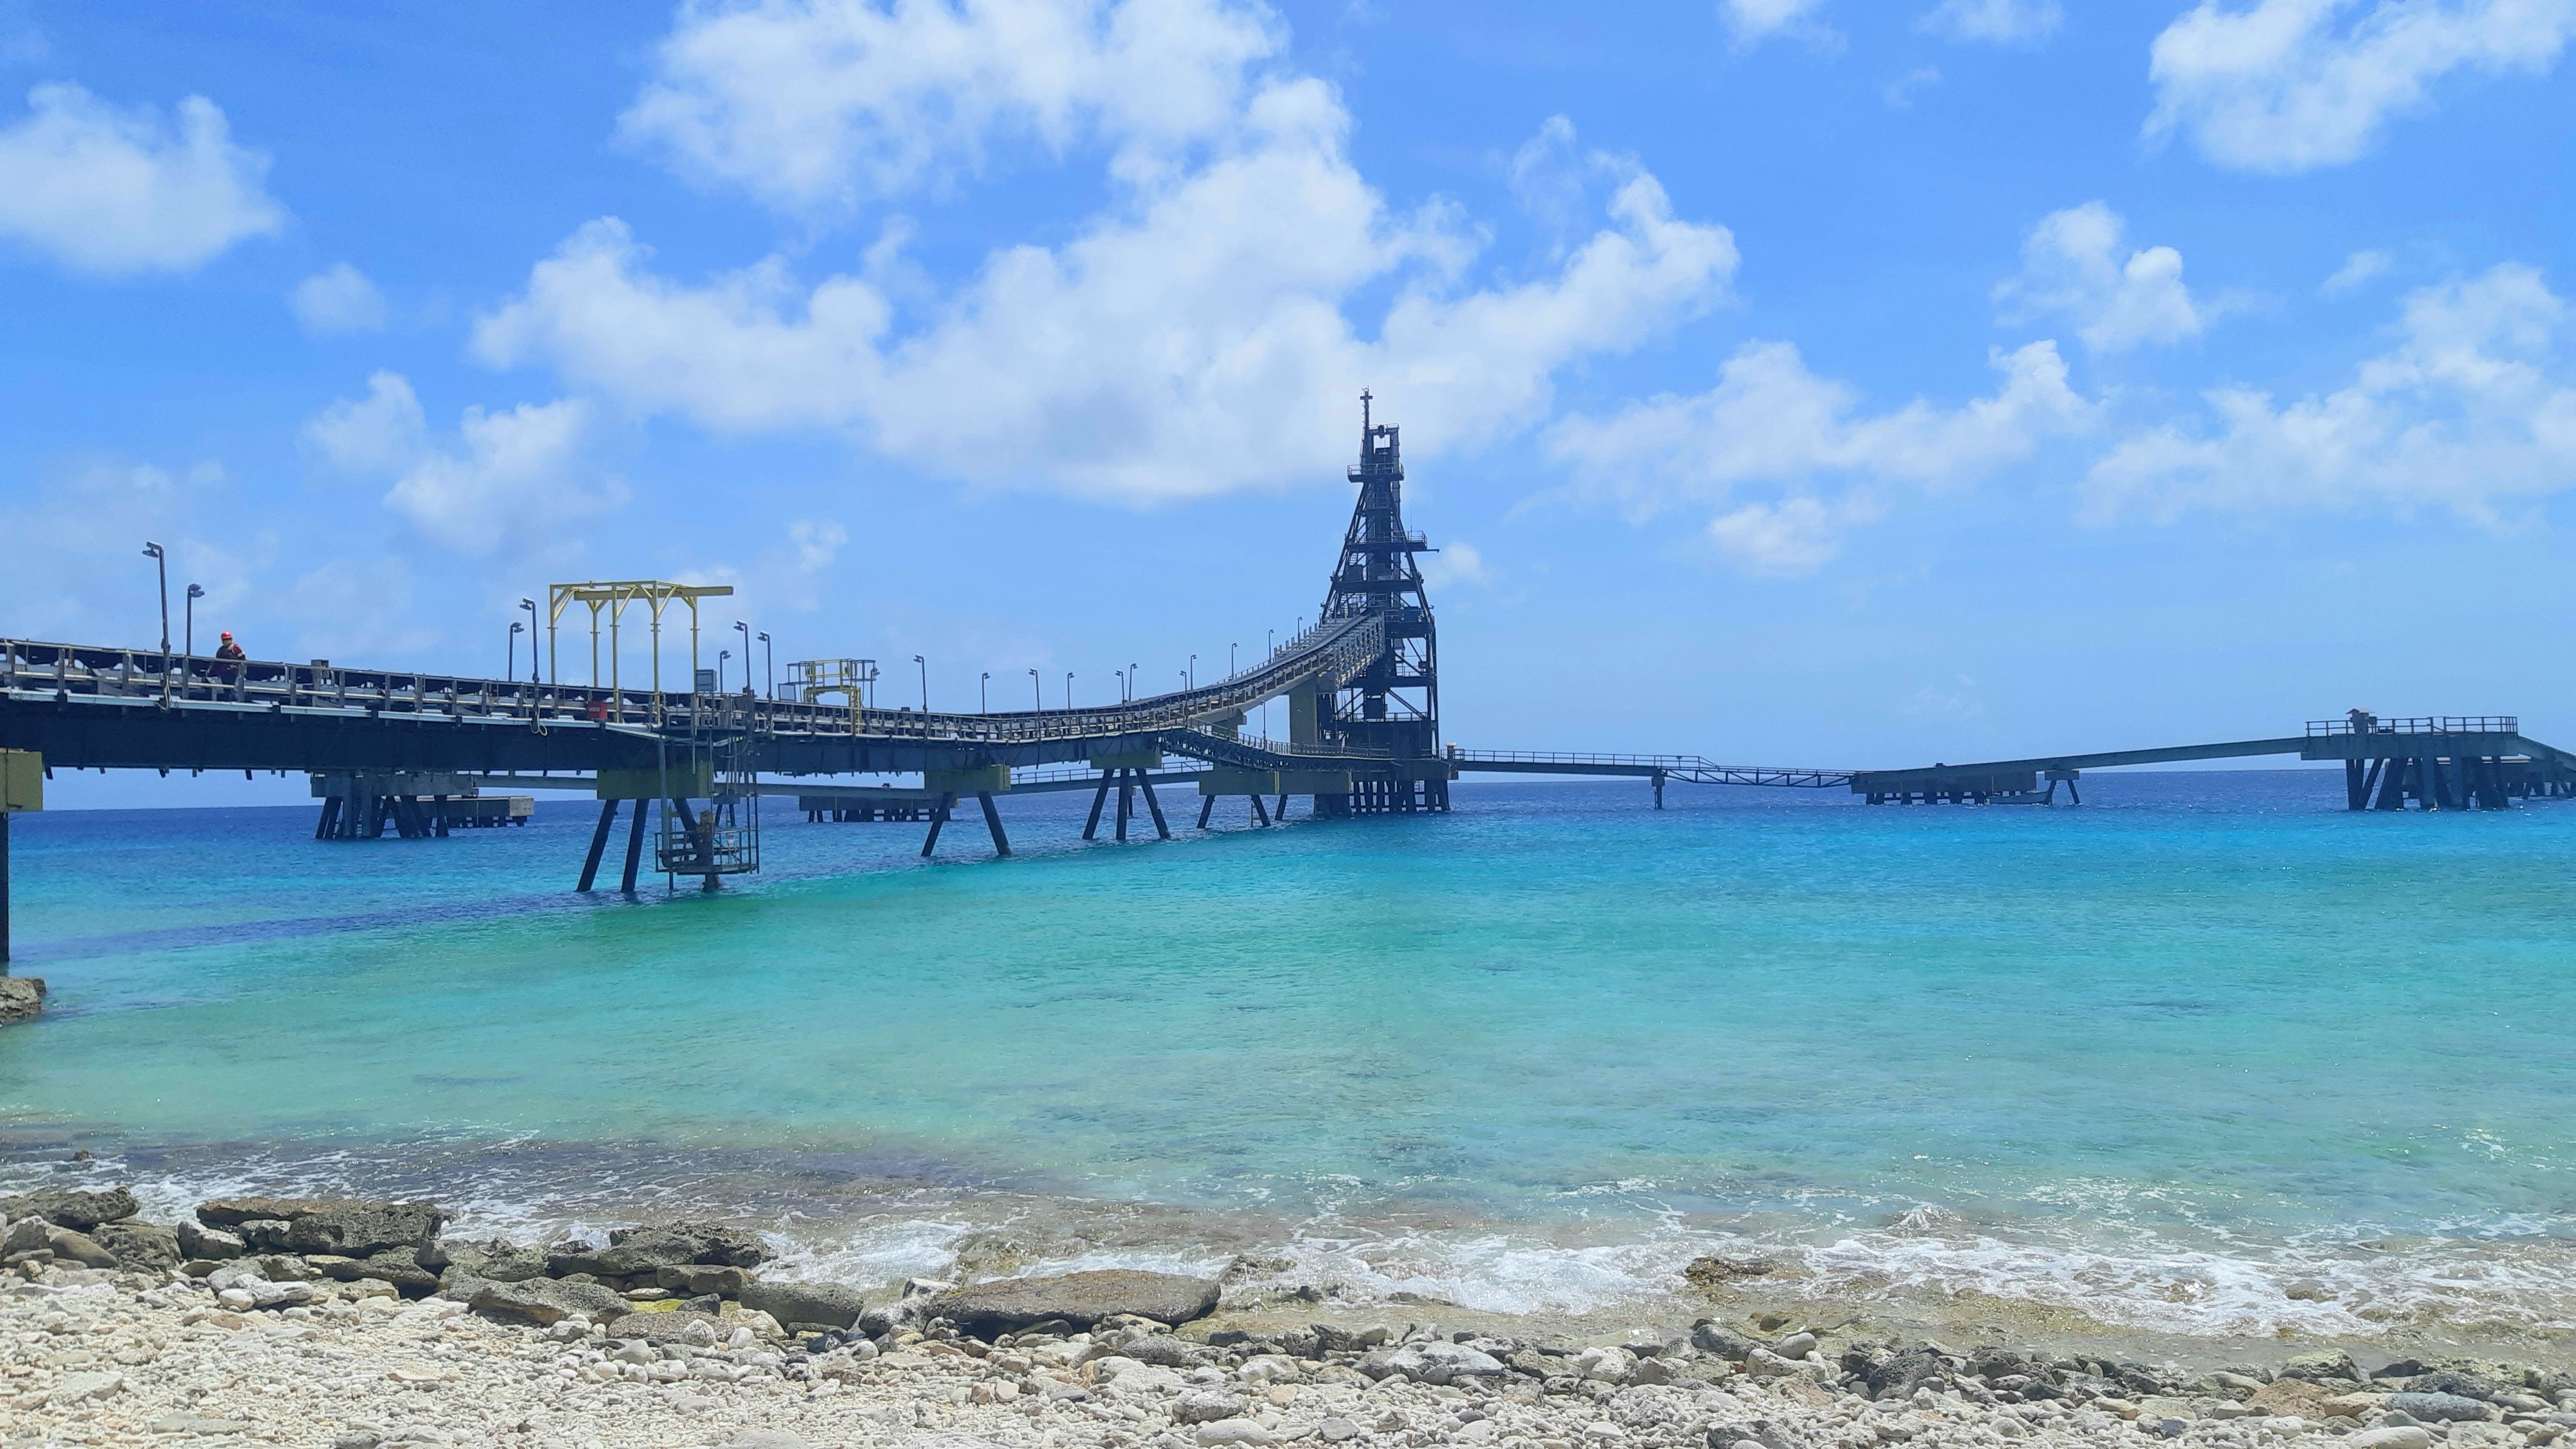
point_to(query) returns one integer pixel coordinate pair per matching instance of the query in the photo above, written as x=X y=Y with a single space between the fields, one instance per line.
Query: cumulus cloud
x=2003 y=22
x=338 y=302
x=1771 y=421
x=2360 y=267
x=1194 y=337
x=506 y=474
x=2290 y=85
x=1457 y=563
x=2470 y=410
x=1754 y=21
x=80 y=584
x=2076 y=264
x=821 y=105
x=114 y=192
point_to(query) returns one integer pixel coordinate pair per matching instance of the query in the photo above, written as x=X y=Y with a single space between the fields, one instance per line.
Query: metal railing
x=1689 y=769
x=2428 y=724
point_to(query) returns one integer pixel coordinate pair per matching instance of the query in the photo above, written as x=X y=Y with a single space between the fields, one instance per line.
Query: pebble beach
x=359 y=1325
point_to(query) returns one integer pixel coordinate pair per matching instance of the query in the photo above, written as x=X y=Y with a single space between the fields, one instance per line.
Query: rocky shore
x=361 y=1325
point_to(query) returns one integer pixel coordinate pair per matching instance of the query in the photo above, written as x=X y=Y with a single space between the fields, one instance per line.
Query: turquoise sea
x=2206 y=1055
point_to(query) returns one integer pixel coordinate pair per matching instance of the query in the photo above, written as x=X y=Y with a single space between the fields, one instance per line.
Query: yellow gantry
x=614 y=596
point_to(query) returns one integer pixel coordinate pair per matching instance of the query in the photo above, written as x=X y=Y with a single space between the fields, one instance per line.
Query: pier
x=423 y=754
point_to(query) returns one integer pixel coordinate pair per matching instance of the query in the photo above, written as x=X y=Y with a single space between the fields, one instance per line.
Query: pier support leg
x=634 y=847
x=1659 y=789
x=1146 y=783
x=438 y=819
x=322 y=828
x=4 y=891
x=1260 y=816
x=2392 y=783
x=1279 y=812
x=938 y=817
x=2356 y=785
x=1126 y=804
x=1207 y=807
x=598 y=844
x=993 y=822
x=1100 y=797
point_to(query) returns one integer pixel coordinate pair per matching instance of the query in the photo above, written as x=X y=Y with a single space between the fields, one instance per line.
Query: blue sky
x=1793 y=381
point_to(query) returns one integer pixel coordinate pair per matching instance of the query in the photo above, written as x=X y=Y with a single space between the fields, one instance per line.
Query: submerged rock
x=643 y=1252
x=1081 y=1299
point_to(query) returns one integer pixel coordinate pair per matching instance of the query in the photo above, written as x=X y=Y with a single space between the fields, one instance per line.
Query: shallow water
x=2155 y=1059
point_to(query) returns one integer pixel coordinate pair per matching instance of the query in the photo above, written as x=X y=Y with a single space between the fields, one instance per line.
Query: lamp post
x=1037 y=692
x=925 y=688
x=745 y=631
x=1191 y=674
x=769 y=663
x=161 y=557
x=531 y=606
x=510 y=675
x=188 y=641
x=1122 y=684
x=1229 y=659
x=1132 y=676
x=984 y=693
x=721 y=656
x=1068 y=691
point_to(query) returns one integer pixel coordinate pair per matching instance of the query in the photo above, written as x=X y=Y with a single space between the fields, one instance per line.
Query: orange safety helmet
x=228 y=633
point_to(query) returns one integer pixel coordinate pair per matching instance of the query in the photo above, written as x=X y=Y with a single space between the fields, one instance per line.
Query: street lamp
x=1068 y=691
x=721 y=656
x=1132 y=677
x=1122 y=684
x=1037 y=692
x=188 y=643
x=155 y=552
x=531 y=606
x=1191 y=674
x=769 y=663
x=511 y=674
x=1229 y=659
x=984 y=693
x=745 y=631
x=925 y=684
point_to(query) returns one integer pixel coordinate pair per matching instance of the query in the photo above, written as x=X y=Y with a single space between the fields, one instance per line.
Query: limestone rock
x=547 y=1301
x=22 y=998
x=2290 y=1396
x=2456 y=1408
x=1081 y=1299
x=496 y=1260
x=825 y=1303
x=350 y=1227
x=139 y=1245
x=81 y=1248
x=642 y=1252
x=2408 y=1436
x=397 y=1266
x=209 y=1244
x=696 y=1279
x=77 y=1208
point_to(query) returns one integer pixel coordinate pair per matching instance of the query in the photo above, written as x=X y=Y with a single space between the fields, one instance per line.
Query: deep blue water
x=2156 y=1056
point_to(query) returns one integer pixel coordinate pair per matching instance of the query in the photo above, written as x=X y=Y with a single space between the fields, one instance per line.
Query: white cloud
x=820 y=105
x=1901 y=91
x=509 y=475
x=2360 y=267
x=1771 y=420
x=2076 y=265
x=2004 y=22
x=2470 y=410
x=2289 y=85
x=115 y=192
x=1193 y=338
x=89 y=583
x=1457 y=564
x=1754 y=21
x=379 y=433
x=338 y=302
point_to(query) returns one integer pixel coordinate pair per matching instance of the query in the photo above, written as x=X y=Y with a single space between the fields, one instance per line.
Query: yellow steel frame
x=614 y=596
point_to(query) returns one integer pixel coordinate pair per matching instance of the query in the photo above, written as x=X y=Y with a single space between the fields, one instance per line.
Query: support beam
x=1279 y=812
x=328 y=825
x=2392 y=783
x=598 y=845
x=1659 y=789
x=1126 y=802
x=993 y=822
x=1091 y=827
x=1161 y=829
x=938 y=818
x=634 y=847
x=1259 y=815
x=1207 y=807
x=2356 y=792
x=4 y=889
